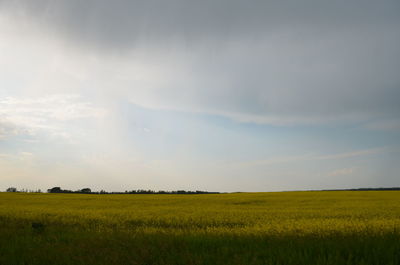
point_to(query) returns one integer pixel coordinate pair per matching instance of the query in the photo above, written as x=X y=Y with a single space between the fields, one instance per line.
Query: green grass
x=341 y=227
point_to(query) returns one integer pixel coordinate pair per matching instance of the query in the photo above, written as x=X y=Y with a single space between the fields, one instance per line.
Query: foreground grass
x=251 y=228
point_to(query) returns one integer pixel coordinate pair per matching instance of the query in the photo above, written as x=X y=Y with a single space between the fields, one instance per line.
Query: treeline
x=392 y=188
x=89 y=191
x=364 y=189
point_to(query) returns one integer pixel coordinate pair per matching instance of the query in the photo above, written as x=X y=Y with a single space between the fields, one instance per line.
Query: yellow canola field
x=274 y=213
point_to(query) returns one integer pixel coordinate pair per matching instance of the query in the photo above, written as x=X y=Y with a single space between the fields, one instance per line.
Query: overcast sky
x=221 y=95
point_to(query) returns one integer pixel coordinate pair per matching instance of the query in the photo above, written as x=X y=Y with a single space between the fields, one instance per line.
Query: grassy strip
x=63 y=246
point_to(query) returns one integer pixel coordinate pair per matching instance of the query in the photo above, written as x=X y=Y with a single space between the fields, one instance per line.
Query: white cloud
x=341 y=172
x=311 y=157
x=384 y=125
x=352 y=154
x=49 y=114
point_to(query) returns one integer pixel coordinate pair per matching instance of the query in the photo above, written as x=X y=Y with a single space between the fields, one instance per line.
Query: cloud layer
x=260 y=61
x=215 y=94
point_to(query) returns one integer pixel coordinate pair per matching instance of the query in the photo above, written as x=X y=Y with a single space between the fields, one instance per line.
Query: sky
x=221 y=95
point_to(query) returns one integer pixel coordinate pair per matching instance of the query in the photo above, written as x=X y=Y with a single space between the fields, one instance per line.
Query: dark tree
x=11 y=189
x=86 y=190
x=55 y=190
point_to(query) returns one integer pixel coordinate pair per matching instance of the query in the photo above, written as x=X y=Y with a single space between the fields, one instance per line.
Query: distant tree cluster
x=13 y=189
x=140 y=191
x=167 y=192
x=89 y=191
x=59 y=190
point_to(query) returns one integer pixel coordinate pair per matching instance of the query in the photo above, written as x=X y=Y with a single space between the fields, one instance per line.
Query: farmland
x=329 y=227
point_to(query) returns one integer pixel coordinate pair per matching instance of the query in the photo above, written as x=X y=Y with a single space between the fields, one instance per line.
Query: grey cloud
x=7 y=129
x=122 y=22
x=264 y=61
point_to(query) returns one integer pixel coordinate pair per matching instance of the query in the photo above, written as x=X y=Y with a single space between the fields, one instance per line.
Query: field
x=288 y=228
